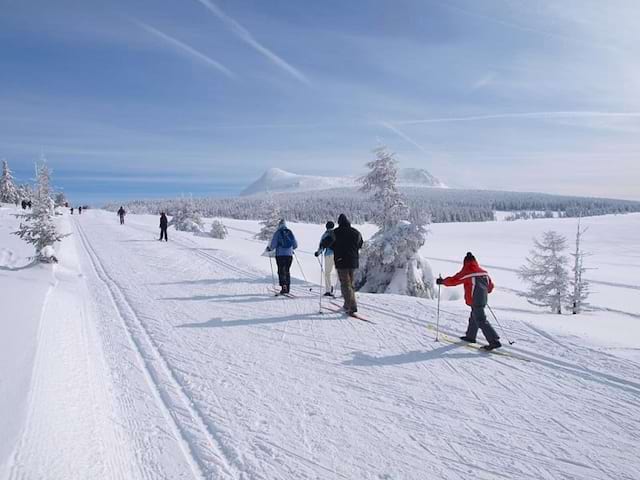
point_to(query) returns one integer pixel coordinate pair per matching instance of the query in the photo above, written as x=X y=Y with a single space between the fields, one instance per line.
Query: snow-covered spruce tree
x=37 y=226
x=218 y=230
x=271 y=219
x=60 y=199
x=579 y=285
x=381 y=180
x=546 y=272
x=8 y=189
x=389 y=261
x=185 y=218
x=25 y=192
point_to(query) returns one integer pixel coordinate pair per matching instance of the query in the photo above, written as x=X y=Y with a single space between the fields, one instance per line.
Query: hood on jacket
x=282 y=223
x=343 y=220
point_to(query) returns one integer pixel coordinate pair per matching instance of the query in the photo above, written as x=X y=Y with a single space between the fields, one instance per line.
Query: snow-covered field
x=133 y=358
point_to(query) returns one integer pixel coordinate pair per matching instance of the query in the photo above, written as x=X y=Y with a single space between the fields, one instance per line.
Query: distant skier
x=477 y=287
x=121 y=214
x=80 y=210
x=345 y=243
x=328 y=259
x=283 y=243
x=164 y=224
x=71 y=210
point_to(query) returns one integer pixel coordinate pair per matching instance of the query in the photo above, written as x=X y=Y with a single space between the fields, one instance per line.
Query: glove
x=317 y=253
x=268 y=249
x=439 y=281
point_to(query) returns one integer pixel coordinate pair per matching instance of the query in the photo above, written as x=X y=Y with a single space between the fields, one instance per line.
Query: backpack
x=286 y=239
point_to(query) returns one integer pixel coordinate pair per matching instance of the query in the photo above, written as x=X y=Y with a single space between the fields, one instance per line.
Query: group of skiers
x=79 y=210
x=340 y=248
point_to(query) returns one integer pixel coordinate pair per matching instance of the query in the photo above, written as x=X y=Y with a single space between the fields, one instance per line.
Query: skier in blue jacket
x=283 y=243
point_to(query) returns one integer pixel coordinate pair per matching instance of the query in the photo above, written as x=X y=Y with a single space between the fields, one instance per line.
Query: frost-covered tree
x=579 y=285
x=546 y=272
x=272 y=217
x=37 y=226
x=390 y=263
x=218 y=230
x=186 y=218
x=60 y=199
x=8 y=189
x=390 y=260
x=381 y=180
x=25 y=192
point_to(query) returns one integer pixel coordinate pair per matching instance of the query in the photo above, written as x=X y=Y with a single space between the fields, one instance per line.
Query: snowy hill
x=133 y=358
x=278 y=180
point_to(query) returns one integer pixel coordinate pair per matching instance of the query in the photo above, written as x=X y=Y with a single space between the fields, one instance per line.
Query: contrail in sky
x=498 y=116
x=184 y=48
x=246 y=36
x=406 y=137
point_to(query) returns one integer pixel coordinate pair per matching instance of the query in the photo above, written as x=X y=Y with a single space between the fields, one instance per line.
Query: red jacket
x=467 y=276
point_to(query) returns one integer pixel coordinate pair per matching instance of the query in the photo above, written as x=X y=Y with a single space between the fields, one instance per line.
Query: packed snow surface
x=133 y=358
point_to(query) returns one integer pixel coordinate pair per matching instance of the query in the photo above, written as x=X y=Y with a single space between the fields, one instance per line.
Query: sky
x=144 y=98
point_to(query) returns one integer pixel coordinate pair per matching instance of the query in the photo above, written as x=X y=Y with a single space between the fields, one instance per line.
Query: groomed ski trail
x=257 y=387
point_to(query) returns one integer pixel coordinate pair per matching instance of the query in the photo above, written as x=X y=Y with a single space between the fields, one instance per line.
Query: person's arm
x=327 y=241
x=295 y=242
x=274 y=241
x=360 y=241
x=454 y=280
x=491 y=285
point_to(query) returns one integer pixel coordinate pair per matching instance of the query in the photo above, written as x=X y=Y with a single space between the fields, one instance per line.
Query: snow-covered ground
x=133 y=358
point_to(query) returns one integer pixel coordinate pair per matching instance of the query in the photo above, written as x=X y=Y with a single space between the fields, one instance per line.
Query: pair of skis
x=337 y=308
x=475 y=346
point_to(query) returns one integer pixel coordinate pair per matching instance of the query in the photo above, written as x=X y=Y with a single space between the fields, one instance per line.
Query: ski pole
x=301 y=271
x=321 y=277
x=501 y=328
x=438 y=312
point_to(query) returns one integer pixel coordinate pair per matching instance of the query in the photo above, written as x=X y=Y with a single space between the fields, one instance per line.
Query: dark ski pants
x=284 y=270
x=478 y=320
x=346 y=276
x=121 y=219
x=163 y=233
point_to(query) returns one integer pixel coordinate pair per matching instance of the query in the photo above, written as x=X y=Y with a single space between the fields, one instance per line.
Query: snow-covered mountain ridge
x=278 y=180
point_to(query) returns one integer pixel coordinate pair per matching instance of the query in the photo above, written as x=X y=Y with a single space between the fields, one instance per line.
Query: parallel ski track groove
x=162 y=397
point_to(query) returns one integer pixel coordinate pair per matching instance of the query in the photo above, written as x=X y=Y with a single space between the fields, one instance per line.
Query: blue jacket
x=278 y=240
x=327 y=251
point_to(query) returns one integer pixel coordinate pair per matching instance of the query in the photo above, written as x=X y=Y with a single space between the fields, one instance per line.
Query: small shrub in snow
x=546 y=272
x=38 y=227
x=218 y=230
x=186 y=219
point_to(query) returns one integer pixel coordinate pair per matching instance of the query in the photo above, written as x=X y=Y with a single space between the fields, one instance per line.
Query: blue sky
x=152 y=97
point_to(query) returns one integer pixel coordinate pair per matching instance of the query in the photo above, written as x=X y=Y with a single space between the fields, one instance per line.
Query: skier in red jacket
x=477 y=287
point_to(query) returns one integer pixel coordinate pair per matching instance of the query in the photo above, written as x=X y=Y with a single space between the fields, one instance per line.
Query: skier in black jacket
x=345 y=242
x=121 y=214
x=164 y=224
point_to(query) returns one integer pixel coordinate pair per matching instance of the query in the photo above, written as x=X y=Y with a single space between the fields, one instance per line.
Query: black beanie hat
x=330 y=225
x=469 y=257
x=343 y=220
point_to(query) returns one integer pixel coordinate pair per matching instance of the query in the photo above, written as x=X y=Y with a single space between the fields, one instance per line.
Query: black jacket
x=345 y=242
x=163 y=221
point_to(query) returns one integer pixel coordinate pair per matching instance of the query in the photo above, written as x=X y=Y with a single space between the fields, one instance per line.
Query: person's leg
x=166 y=237
x=280 y=262
x=481 y=321
x=287 y=272
x=352 y=292
x=328 y=268
x=472 y=328
x=346 y=287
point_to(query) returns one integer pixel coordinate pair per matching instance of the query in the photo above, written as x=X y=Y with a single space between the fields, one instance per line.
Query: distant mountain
x=418 y=177
x=278 y=180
